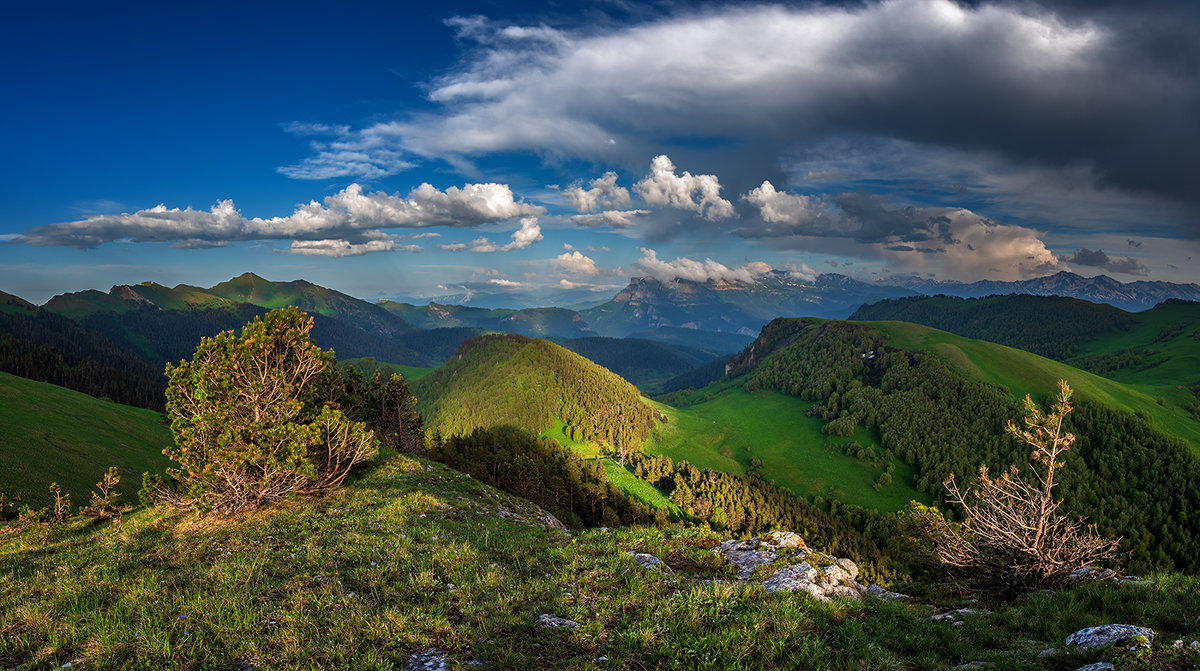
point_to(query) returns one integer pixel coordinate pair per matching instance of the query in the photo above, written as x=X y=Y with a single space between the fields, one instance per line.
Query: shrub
x=106 y=500
x=256 y=418
x=1013 y=536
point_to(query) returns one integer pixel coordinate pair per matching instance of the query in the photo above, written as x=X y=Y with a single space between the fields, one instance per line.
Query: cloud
x=802 y=272
x=696 y=271
x=1010 y=79
x=785 y=213
x=610 y=218
x=604 y=194
x=349 y=214
x=1097 y=258
x=341 y=248
x=526 y=235
x=698 y=193
x=454 y=247
x=574 y=262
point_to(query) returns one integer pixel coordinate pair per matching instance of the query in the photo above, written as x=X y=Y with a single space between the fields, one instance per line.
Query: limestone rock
x=745 y=555
x=842 y=592
x=955 y=614
x=849 y=566
x=785 y=539
x=431 y=659
x=650 y=562
x=548 y=621
x=1097 y=666
x=1108 y=635
x=791 y=578
x=881 y=593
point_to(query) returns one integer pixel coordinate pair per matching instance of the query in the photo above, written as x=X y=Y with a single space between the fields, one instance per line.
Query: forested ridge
x=511 y=380
x=1126 y=476
x=42 y=346
x=1052 y=326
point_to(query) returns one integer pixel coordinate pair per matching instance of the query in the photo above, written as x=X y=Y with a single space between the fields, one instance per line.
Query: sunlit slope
x=51 y=434
x=734 y=428
x=510 y=380
x=1024 y=373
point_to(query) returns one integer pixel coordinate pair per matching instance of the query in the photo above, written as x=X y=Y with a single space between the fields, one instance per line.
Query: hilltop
x=535 y=385
x=412 y=565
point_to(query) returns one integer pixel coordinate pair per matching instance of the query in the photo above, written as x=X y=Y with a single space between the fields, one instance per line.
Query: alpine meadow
x=845 y=336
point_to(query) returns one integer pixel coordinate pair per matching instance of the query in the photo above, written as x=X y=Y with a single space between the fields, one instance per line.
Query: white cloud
x=610 y=218
x=604 y=194
x=526 y=235
x=454 y=247
x=341 y=248
x=349 y=214
x=698 y=193
x=696 y=271
x=574 y=262
x=795 y=212
x=500 y=282
x=802 y=272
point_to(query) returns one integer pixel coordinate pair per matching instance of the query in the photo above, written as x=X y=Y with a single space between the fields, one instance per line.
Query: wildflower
x=182 y=616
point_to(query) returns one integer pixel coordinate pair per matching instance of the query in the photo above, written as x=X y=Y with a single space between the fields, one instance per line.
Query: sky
x=546 y=152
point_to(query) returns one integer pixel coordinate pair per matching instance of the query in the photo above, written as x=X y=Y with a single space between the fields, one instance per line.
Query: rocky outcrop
x=1109 y=635
x=649 y=561
x=820 y=575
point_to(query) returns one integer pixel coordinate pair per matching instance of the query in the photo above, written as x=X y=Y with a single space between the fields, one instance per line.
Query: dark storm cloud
x=1097 y=258
x=1111 y=88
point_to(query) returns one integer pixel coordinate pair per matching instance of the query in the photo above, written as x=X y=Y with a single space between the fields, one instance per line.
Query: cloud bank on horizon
x=998 y=140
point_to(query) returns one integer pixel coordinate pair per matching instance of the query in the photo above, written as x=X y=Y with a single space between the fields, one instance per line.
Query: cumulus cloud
x=574 y=262
x=802 y=272
x=604 y=194
x=697 y=271
x=529 y=233
x=698 y=193
x=1097 y=258
x=785 y=213
x=350 y=215
x=610 y=218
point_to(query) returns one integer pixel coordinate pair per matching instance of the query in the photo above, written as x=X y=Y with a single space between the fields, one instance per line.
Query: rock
x=850 y=567
x=1097 y=666
x=790 y=579
x=1194 y=645
x=1177 y=645
x=843 y=592
x=975 y=665
x=1092 y=573
x=835 y=574
x=651 y=562
x=1108 y=635
x=881 y=593
x=1048 y=652
x=954 y=614
x=785 y=539
x=548 y=621
x=744 y=555
x=431 y=659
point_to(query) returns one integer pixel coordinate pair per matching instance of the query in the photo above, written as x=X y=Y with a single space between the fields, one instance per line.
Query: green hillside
x=511 y=380
x=939 y=402
x=50 y=434
x=734 y=428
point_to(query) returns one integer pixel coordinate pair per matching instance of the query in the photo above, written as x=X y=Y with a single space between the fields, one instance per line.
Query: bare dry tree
x=1013 y=536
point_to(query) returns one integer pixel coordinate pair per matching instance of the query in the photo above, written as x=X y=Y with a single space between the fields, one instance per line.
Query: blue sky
x=549 y=151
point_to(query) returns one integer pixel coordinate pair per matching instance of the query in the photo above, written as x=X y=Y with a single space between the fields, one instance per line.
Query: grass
x=367 y=365
x=411 y=555
x=734 y=426
x=617 y=474
x=52 y=434
x=1024 y=373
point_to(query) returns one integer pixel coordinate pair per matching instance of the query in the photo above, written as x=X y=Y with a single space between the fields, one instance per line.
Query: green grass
x=617 y=474
x=411 y=555
x=368 y=365
x=735 y=426
x=1024 y=373
x=51 y=434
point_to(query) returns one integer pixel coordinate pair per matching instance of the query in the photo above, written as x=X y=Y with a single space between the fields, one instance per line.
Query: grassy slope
x=411 y=555
x=368 y=365
x=735 y=426
x=1025 y=373
x=51 y=434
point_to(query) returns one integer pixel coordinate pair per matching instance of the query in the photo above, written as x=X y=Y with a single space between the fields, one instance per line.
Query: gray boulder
x=745 y=555
x=791 y=579
x=881 y=593
x=1097 y=666
x=1108 y=635
x=785 y=539
x=651 y=562
x=548 y=621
